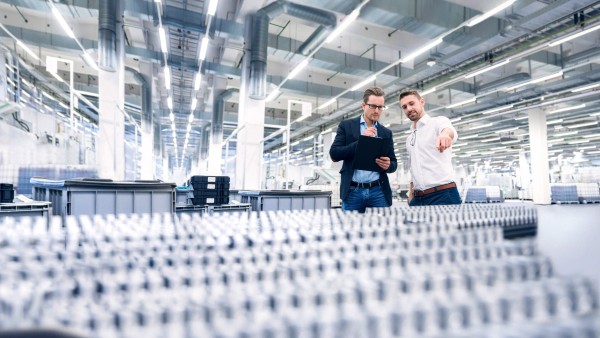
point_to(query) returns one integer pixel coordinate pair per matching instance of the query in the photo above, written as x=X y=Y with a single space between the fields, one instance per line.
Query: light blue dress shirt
x=365 y=176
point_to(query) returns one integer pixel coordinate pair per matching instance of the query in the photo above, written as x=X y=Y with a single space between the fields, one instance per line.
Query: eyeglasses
x=413 y=138
x=374 y=106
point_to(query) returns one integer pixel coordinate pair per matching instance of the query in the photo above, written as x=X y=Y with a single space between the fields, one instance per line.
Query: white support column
x=540 y=167
x=251 y=115
x=249 y=147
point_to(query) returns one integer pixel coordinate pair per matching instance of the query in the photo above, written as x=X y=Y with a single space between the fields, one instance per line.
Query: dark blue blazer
x=343 y=147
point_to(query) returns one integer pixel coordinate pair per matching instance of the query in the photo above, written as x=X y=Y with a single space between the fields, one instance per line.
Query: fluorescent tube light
x=482 y=126
x=170 y=102
x=197 y=81
x=506 y=130
x=421 y=50
x=541 y=79
x=364 y=83
x=489 y=13
x=163 y=39
x=61 y=20
x=167 y=72
x=491 y=139
x=326 y=131
x=343 y=25
x=469 y=137
x=298 y=68
x=481 y=71
x=554 y=121
x=88 y=59
x=203 y=48
x=568 y=133
x=194 y=103
x=428 y=91
x=190 y=117
x=461 y=103
x=496 y=109
x=584 y=88
x=574 y=36
x=272 y=95
x=583 y=125
x=26 y=49
x=212 y=7
x=566 y=109
x=171 y=116
x=331 y=101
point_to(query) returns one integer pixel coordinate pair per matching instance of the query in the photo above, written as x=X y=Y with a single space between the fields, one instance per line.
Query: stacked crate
x=209 y=190
x=7 y=193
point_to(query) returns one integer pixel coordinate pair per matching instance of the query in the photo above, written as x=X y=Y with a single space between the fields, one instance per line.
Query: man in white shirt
x=430 y=154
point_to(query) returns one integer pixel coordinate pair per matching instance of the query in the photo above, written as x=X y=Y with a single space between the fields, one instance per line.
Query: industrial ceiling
x=484 y=73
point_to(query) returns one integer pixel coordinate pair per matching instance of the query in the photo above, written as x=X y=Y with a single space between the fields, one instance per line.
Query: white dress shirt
x=428 y=167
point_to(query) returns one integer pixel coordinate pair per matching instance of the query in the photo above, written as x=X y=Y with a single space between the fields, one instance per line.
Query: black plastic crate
x=210 y=193
x=209 y=179
x=210 y=186
x=7 y=193
x=210 y=200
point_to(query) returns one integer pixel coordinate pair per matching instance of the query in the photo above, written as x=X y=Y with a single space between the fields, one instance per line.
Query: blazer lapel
x=356 y=128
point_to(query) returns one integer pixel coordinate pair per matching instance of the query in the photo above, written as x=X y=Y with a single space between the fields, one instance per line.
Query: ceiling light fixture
x=469 y=137
x=273 y=95
x=497 y=109
x=428 y=91
x=506 y=130
x=194 y=103
x=343 y=25
x=212 y=7
x=482 y=126
x=584 y=88
x=163 y=39
x=167 y=72
x=191 y=117
x=298 y=68
x=554 y=121
x=88 y=59
x=331 y=101
x=197 y=81
x=422 y=50
x=481 y=71
x=583 y=125
x=61 y=20
x=364 y=83
x=489 y=13
x=171 y=116
x=541 y=79
x=461 y=103
x=203 y=48
x=566 y=109
x=170 y=102
x=574 y=36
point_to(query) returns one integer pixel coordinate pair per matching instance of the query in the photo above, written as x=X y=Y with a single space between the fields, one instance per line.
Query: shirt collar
x=362 y=121
x=422 y=121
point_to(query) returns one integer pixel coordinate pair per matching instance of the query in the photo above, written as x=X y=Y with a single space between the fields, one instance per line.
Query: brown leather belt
x=435 y=189
x=367 y=185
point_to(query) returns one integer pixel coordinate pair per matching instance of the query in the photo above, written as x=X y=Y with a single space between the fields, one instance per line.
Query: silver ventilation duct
x=218 y=112
x=260 y=36
x=107 y=35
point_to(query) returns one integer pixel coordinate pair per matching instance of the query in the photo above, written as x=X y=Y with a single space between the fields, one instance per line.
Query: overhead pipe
x=107 y=35
x=146 y=93
x=218 y=112
x=205 y=142
x=260 y=37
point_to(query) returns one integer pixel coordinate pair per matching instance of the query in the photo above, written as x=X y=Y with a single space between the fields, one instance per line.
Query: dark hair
x=372 y=91
x=409 y=91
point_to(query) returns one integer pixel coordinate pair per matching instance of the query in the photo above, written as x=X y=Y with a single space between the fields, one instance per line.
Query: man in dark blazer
x=360 y=189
